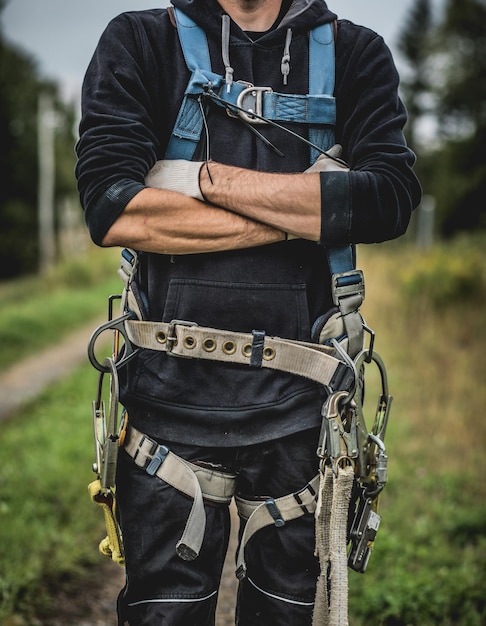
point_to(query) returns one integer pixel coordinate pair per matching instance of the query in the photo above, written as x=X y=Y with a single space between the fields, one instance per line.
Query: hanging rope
x=331 y=605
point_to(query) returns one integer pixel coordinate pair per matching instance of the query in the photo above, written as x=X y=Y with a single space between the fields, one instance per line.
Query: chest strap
x=316 y=109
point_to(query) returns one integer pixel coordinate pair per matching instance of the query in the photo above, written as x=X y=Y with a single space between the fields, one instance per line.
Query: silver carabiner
x=106 y=435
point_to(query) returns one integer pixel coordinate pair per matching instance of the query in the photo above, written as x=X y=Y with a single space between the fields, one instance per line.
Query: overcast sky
x=62 y=34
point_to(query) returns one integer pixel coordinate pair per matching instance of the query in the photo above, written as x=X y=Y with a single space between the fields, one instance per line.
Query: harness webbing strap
x=201 y=483
x=262 y=513
x=310 y=360
x=317 y=108
x=216 y=486
x=322 y=74
x=193 y=42
x=159 y=461
x=331 y=606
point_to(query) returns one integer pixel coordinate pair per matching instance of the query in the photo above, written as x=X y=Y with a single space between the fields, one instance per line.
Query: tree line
x=443 y=86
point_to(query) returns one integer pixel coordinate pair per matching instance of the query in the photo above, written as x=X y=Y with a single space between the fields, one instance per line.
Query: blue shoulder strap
x=322 y=73
x=189 y=124
x=322 y=76
x=316 y=109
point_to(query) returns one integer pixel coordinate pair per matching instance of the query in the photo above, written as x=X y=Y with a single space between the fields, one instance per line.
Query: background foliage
x=445 y=85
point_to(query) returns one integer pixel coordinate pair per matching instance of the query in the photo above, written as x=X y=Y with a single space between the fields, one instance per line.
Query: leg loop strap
x=194 y=481
x=278 y=511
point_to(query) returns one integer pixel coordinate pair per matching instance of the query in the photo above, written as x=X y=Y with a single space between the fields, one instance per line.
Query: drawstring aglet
x=229 y=79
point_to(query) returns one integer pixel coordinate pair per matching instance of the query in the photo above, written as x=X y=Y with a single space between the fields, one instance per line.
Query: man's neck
x=252 y=15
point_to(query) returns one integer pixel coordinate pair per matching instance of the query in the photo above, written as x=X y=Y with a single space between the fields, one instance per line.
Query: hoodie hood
x=301 y=16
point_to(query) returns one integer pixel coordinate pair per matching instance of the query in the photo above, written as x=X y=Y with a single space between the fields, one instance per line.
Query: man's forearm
x=166 y=222
x=288 y=202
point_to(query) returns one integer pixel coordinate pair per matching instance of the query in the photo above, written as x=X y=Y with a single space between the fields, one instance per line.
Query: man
x=237 y=241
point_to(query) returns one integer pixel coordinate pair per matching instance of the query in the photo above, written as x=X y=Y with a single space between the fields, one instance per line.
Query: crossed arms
x=243 y=208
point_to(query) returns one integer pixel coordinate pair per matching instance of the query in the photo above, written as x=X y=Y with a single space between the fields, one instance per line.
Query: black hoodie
x=131 y=96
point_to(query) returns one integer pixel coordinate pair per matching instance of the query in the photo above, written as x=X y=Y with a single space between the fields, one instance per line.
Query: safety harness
x=343 y=496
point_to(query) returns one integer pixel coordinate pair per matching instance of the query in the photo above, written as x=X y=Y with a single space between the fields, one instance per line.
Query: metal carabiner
x=337 y=440
x=117 y=325
x=365 y=357
x=106 y=433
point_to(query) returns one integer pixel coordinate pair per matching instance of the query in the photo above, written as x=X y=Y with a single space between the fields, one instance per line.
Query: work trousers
x=164 y=590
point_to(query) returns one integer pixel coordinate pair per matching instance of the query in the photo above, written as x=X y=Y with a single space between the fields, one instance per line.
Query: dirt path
x=93 y=603
x=26 y=379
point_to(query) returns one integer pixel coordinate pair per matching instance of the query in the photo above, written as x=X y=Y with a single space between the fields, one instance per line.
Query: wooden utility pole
x=426 y=219
x=45 y=150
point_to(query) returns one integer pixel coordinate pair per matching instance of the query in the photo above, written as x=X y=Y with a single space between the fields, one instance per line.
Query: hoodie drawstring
x=285 y=64
x=225 y=40
x=225 y=47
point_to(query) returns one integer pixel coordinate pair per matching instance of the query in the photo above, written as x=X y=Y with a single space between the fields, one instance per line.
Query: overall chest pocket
x=279 y=309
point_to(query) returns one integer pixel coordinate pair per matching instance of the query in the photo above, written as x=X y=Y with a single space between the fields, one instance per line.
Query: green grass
x=37 y=312
x=429 y=563
x=50 y=529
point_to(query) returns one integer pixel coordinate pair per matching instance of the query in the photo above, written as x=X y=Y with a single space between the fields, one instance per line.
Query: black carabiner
x=117 y=324
x=367 y=356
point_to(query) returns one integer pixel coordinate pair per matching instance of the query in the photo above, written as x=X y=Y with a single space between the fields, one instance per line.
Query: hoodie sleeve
x=118 y=142
x=374 y=201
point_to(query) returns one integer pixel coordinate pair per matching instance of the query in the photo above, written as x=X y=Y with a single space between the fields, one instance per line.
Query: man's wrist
x=206 y=181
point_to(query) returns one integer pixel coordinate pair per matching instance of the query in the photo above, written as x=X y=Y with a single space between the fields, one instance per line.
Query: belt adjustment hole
x=189 y=342
x=229 y=347
x=268 y=354
x=161 y=337
x=209 y=344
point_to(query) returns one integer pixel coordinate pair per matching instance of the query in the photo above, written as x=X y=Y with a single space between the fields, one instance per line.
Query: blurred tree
x=460 y=174
x=463 y=92
x=414 y=44
x=18 y=162
x=447 y=79
x=20 y=86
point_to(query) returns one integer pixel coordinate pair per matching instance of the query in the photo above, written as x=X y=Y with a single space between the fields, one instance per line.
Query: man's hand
x=176 y=175
x=329 y=161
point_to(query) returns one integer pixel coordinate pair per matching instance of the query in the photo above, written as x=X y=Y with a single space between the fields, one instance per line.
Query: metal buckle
x=250 y=104
x=172 y=337
x=347 y=284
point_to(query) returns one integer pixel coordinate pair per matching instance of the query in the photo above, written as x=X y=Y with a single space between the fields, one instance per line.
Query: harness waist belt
x=185 y=339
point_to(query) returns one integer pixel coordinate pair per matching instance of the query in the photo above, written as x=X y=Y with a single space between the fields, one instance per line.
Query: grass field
x=429 y=564
x=35 y=313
